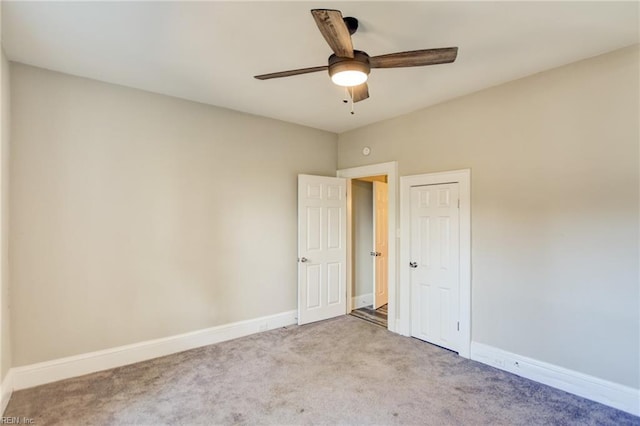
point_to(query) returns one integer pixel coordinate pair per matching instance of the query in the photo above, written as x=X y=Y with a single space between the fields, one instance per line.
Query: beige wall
x=5 y=329
x=136 y=216
x=554 y=160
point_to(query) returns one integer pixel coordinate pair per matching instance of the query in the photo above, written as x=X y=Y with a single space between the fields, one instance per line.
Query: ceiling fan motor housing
x=359 y=62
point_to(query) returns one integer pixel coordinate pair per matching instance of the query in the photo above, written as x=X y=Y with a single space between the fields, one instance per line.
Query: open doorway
x=361 y=255
x=369 y=249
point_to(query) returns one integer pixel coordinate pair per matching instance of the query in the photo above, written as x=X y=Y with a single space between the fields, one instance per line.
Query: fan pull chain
x=352 y=111
x=346 y=95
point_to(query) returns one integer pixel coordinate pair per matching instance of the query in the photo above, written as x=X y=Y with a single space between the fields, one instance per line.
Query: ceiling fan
x=350 y=68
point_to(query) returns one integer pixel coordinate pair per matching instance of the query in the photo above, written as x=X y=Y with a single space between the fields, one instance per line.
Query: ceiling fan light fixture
x=349 y=78
x=349 y=72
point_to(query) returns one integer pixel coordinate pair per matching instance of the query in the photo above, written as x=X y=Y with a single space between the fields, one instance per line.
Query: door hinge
x=458 y=325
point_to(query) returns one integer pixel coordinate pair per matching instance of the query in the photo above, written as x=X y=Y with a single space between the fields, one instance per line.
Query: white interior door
x=322 y=254
x=380 y=233
x=435 y=264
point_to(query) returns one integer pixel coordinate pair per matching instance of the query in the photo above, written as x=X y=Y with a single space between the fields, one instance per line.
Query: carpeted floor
x=376 y=316
x=340 y=371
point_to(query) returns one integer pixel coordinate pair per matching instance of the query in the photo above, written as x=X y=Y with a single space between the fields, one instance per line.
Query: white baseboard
x=6 y=389
x=63 y=368
x=362 y=300
x=608 y=393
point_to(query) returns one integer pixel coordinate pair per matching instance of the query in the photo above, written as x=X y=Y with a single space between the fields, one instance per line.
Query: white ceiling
x=209 y=51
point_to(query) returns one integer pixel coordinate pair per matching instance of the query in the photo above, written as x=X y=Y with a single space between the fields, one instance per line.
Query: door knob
x=376 y=253
x=304 y=259
x=413 y=264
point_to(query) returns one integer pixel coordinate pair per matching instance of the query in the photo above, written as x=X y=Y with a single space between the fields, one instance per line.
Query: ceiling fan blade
x=359 y=93
x=335 y=31
x=290 y=73
x=415 y=58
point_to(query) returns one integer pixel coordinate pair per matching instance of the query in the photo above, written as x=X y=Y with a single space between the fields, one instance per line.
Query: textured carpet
x=376 y=316
x=340 y=371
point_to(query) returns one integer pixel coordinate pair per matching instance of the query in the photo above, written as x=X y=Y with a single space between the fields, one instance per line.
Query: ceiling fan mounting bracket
x=351 y=23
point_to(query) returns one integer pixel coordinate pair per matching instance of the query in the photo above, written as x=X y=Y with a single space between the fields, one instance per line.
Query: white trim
x=77 y=365
x=391 y=170
x=362 y=300
x=463 y=178
x=612 y=394
x=6 y=389
x=349 y=267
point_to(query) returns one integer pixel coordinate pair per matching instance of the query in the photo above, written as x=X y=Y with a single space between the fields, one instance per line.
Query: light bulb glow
x=349 y=78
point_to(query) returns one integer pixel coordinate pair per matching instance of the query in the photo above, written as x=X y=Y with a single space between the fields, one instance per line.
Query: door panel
x=381 y=246
x=314 y=215
x=334 y=272
x=435 y=276
x=313 y=286
x=322 y=251
x=335 y=227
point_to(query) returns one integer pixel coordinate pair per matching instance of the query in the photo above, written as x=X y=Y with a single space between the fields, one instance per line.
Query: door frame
x=390 y=169
x=463 y=178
